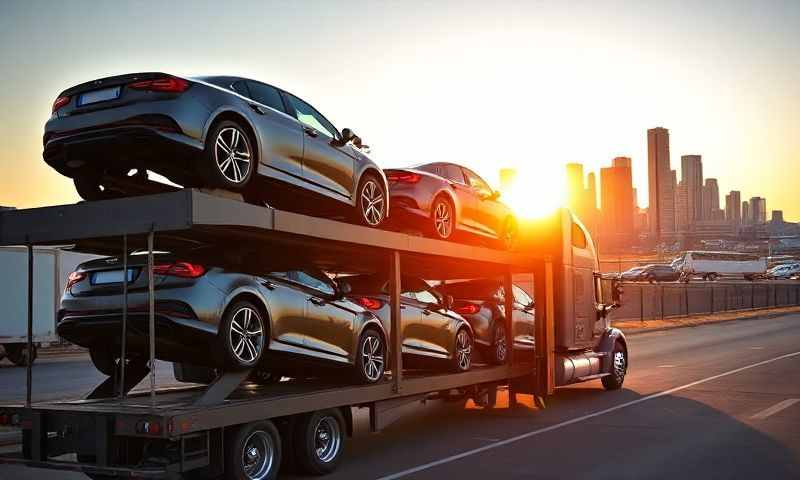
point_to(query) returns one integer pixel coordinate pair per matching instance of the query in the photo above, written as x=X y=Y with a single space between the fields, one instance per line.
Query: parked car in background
x=211 y=317
x=658 y=273
x=711 y=265
x=482 y=304
x=440 y=199
x=631 y=274
x=433 y=334
x=217 y=132
x=783 y=271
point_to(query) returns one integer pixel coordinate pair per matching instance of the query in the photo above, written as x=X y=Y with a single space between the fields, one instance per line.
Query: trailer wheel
x=18 y=354
x=619 y=367
x=319 y=439
x=253 y=452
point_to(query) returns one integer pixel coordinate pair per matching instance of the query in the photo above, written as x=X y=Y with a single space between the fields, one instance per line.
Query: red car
x=440 y=199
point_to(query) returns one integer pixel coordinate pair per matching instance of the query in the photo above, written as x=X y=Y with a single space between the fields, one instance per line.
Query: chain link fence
x=644 y=301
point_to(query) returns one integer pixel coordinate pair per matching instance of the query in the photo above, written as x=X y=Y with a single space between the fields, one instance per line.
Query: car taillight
x=60 y=102
x=148 y=428
x=74 y=278
x=468 y=309
x=165 y=84
x=179 y=269
x=403 y=177
x=370 y=303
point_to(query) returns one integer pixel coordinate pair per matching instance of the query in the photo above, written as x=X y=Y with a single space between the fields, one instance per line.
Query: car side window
x=452 y=173
x=307 y=115
x=240 y=87
x=266 y=95
x=477 y=183
x=312 y=280
x=425 y=296
x=521 y=296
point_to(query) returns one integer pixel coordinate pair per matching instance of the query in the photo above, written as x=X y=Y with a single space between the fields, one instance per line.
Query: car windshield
x=379 y=284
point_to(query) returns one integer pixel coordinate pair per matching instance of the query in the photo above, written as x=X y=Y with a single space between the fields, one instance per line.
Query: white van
x=712 y=265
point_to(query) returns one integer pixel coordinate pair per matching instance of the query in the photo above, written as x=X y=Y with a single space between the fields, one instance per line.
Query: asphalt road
x=716 y=401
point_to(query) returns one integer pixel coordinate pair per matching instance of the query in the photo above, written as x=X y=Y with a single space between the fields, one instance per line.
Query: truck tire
x=252 y=451
x=619 y=367
x=319 y=440
x=18 y=354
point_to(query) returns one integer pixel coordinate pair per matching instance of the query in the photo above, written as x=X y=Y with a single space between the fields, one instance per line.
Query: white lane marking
x=756 y=348
x=666 y=366
x=533 y=433
x=767 y=412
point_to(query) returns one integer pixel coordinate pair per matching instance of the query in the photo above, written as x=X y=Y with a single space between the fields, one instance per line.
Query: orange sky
x=522 y=84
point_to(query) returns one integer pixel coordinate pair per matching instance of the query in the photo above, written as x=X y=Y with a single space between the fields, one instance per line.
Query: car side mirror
x=530 y=306
x=495 y=195
x=343 y=288
x=347 y=135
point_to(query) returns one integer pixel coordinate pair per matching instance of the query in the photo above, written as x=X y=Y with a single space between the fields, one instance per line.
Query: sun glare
x=535 y=194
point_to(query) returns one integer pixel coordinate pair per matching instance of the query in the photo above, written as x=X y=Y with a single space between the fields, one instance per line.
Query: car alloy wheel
x=327 y=439
x=372 y=202
x=372 y=357
x=463 y=353
x=232 y=154
x=500 y=346
x=258 y=455
x=443 y=218
x=246 y=335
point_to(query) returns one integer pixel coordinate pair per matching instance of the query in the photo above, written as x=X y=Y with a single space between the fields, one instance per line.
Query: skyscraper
x=683 y=214
x=733 y=207
x=616 y=201
x=660 y=183
x=711 y=199
x=692 y=177
x=758 y=210
x=746 y=217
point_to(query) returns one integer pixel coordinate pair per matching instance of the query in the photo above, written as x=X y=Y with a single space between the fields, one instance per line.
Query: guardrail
x=644 y=301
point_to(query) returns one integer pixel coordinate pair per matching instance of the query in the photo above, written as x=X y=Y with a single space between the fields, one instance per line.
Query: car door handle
x=316 y=300
x=257 y=108
x=269 y=285
x=426 y=312
x=310 y=132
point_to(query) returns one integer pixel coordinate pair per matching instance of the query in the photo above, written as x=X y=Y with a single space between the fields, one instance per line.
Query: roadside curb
x=754 y=316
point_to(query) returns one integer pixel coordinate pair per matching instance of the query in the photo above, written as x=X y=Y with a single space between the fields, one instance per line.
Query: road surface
x=716 y=401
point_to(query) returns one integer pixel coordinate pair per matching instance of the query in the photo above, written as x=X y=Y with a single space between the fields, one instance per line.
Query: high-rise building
x=758 y=210
x=747 y=219
x=616 y=202
x=733 y=207
x=580 y=199
x=507 y=178
x=683 y=214
x=635 y=199
x=660 y=183
x=710 y=199
x=777 y=216
x=692 y=176
x=591 y=191
x=575 y=185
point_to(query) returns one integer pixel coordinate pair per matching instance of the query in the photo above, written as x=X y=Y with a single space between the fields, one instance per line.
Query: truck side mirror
x=616 y=292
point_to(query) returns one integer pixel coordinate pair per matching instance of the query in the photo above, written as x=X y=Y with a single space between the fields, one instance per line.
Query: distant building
x=683 y=210
x=733 y=207
x=777 y=216
x=758 y=210
x=692 y=177
x=711 y=199
x=616 y=203
x=661 y=185
x=582 y=200
x=747 y=219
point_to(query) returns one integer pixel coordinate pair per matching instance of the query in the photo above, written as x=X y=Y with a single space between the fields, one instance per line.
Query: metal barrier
x=649 y=301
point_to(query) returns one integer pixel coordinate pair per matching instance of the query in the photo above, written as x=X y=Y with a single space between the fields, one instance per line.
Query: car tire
x=104 y=361
x=443 y=218
x=650 y=278
x=619 y=368
x=229 y=159
x=89 y=189
x=462 y=351
x=252 y=451
x=499 y=349
x=243 y=335
x=370 y=357
x=371 y=201
x=319 y=441
x=18 y=354
x=509 y=233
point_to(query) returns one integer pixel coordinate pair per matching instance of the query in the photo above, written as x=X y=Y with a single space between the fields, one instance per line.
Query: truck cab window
x=578 y=237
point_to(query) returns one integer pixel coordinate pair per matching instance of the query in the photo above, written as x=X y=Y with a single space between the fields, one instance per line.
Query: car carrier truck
x=233 y=429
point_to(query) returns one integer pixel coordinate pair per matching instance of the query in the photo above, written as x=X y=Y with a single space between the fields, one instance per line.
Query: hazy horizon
x=529 y=85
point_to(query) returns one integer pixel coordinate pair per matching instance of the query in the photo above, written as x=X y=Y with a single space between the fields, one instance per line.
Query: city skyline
x=582 y=84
